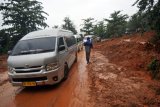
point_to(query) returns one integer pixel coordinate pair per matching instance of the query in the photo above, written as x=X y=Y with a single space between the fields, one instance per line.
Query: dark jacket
x=88 y=45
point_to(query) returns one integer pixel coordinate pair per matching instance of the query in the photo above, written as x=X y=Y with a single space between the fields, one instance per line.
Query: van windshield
x=34 y=46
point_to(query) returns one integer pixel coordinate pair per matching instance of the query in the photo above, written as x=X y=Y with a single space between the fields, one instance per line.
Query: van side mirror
x=61 y=48
x=9 y=52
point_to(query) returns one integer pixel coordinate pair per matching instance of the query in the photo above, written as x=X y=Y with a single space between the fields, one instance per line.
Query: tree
x=100 y=29
x=116 y=24
x=22 y=17
x=4 y=41
x=88 y=26
x=68 y=25
x=55 y=26
x=152 y=11
x=138 y=21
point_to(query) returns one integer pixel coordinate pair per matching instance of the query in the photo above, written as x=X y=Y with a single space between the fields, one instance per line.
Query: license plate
x=29 y=83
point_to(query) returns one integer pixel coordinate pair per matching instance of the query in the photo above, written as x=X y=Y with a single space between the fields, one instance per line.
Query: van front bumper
x=39 y=78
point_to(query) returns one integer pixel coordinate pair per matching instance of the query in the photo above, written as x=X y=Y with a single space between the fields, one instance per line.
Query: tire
x=75 y=58
x=78 y=50
x=66 y=70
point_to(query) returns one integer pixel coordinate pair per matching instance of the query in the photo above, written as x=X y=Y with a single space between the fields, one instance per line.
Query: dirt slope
x=118 y=73
x=132 y=51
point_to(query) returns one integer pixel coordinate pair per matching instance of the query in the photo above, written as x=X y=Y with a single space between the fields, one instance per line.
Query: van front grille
x=29 y=67
x=29 y=79
x=27 y=71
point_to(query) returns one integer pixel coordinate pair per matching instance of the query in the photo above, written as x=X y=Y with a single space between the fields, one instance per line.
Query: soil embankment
x=119 y=75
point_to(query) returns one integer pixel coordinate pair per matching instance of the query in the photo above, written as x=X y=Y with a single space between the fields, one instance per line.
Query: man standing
x=88 y=45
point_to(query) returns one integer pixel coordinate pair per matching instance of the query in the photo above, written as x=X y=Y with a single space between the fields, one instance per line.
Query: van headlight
x=52 y=66
x=11 y=69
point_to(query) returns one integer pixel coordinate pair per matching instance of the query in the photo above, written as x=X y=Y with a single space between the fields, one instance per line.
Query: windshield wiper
x=44 y=50
x=33 y=51
x=24 y=52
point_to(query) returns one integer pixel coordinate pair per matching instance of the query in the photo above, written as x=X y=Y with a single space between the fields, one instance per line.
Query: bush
x=155 y=41
x=154 y=67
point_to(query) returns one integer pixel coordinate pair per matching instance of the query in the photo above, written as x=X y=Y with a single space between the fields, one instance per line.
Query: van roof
x=77 y=36
x=90 y=36
x=45 y=33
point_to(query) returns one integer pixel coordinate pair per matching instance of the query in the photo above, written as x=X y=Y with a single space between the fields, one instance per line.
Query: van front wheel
x=66 y=70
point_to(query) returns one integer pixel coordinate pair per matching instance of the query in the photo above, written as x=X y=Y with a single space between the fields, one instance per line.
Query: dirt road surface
x=71 y=93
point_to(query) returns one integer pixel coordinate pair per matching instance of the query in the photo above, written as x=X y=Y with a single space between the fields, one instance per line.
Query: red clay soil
x=118 y=73
x=3 y=63
x=134 y=51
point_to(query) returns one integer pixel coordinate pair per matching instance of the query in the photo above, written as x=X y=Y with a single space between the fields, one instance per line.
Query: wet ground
x=71 y=93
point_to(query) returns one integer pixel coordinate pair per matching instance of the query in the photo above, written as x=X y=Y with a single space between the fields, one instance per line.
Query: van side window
x=61 y=45
x=70 y=41
x=61 y=42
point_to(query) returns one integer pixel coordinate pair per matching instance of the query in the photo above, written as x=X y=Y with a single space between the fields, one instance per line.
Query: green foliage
x=144 y=4
x=152 y=11
x=154 y=39
x=55 y=26
x=68 y=25
x=154 y=67
x=100 y=29
x=22 y=17
x=88 y=26
x=4 y=41
x=138 y=21
x=116 y=24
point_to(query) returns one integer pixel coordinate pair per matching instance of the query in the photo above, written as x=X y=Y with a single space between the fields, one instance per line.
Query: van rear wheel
x=66 y=70
x=75 y=58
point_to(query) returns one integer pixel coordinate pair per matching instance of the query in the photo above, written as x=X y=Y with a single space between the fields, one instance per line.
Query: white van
x=79 y=41
x=42 y=58
x=85 y=38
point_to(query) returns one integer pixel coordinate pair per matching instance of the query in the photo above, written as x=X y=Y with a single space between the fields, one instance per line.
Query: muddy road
x=71 y=93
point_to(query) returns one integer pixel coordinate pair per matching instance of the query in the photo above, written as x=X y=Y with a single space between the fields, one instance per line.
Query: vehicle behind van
x=85 y=38
x=42 y=57
x=79 y=41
